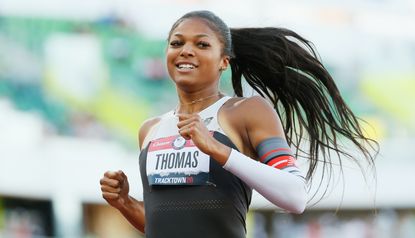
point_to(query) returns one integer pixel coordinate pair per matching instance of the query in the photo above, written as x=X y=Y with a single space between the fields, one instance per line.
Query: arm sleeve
x=283 y=188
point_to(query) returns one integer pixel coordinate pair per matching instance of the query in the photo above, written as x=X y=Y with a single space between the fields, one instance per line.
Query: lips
x=186 y=66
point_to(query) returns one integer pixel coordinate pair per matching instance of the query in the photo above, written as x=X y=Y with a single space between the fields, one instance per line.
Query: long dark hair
x=283 y=67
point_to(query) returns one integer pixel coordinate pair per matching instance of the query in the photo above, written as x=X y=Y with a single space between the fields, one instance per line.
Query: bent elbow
x=298 y=201
x=297 y=206
x=298 y=209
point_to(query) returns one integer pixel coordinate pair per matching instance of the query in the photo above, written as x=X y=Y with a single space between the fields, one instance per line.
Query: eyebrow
x=198 y=35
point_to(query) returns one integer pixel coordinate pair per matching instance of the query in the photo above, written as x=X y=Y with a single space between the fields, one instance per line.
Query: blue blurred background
x=77 y=78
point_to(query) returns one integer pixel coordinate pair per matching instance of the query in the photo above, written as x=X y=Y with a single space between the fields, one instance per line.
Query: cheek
x=170 y=56
x=170 y=70
x=213 y=63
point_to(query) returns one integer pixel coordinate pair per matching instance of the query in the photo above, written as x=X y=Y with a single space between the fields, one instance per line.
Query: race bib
x=176 y=161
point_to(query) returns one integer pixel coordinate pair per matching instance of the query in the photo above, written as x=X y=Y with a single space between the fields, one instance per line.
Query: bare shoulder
x=257 y=117
x=250 y=105
x=145 y=128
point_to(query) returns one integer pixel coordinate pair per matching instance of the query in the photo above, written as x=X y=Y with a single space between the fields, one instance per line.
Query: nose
x=187 y=50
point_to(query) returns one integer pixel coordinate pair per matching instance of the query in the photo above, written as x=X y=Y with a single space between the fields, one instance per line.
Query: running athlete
x=200 y=161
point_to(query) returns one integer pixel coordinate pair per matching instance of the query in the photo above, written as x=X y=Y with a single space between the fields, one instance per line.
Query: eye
x=176 y=43
x=203 y=44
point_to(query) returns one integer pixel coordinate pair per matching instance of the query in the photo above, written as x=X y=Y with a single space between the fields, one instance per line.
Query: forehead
x=194 y=27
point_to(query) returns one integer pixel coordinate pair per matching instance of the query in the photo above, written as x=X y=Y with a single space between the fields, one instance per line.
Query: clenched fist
x=115 y=188
x=191 y=126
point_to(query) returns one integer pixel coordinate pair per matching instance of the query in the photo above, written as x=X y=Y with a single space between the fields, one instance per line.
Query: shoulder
x=257 y=117
x=250 y=106
x=145 y=128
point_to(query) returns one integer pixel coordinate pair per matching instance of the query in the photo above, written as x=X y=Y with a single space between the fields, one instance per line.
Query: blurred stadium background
x=77 y=78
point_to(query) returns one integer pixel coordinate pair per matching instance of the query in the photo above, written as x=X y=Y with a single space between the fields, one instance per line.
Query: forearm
x=133 y=211
x=281 y=188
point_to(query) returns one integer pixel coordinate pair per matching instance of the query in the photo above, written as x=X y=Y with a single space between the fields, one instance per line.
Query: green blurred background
x=77 y=80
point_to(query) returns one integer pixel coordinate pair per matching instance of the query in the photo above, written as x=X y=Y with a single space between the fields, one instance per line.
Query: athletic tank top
x=186 y=194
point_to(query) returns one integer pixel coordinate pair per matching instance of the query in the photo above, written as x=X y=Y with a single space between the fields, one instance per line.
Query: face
x=194 y=56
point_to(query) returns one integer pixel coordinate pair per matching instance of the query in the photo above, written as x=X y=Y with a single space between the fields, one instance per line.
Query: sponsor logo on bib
x=179 y=143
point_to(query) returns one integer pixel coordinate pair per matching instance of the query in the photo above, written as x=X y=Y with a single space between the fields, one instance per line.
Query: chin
x=184 y=80
x=185 y=85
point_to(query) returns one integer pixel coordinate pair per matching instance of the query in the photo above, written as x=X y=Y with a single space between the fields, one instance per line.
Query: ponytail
x=282 y=66
x=274 y=63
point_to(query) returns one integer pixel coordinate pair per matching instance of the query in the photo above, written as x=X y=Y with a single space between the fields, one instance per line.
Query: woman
x=200 y=161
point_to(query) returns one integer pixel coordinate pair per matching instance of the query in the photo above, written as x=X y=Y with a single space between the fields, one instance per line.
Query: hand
x=115 y=188
x=191 y=126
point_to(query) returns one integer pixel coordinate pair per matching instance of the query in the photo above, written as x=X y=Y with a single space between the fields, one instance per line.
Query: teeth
x=186 y=66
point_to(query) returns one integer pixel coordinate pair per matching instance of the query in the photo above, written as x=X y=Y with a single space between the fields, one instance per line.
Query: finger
x=186 y=132
x=184 y=116
x=110 y=196
x=114 y=175
x=188 y=121
x=110 y=182
x=121 y=175
x=111 y=174
x=109 y=189
x=188 y=128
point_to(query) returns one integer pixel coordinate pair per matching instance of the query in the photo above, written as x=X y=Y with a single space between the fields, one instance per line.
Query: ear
x=224 y=63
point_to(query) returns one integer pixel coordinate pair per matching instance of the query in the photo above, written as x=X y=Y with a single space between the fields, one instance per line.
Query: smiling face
x=194 y=56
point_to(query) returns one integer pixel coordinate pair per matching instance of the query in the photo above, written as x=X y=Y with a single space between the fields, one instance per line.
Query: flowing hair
x=284 y=68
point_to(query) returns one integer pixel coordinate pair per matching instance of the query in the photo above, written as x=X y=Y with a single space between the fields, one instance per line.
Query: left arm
x=281 y=186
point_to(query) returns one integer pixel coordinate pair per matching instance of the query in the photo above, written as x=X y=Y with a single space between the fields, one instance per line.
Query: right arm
x=115 y=188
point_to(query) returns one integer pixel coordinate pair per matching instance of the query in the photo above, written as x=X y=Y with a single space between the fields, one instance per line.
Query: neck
x=197 y=102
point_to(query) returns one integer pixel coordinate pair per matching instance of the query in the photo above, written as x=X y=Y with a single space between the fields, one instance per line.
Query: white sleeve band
x=281 y=188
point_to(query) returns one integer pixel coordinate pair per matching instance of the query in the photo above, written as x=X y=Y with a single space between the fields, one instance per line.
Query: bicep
x=267 y=137
x=261 y=121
